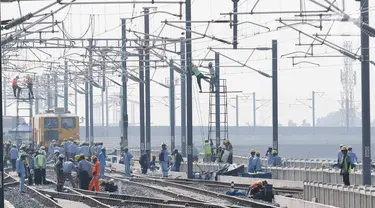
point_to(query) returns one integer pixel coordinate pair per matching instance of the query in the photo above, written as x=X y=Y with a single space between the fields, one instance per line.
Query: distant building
x=305 y=124
x=291 y=123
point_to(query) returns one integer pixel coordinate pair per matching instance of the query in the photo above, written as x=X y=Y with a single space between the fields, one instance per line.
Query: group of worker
x=70 y=148
x=17 y=89
x=224 y=153
x=346 y=160
x=199 y=75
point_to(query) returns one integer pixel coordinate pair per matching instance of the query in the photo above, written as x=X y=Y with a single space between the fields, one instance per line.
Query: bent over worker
x=95 y=174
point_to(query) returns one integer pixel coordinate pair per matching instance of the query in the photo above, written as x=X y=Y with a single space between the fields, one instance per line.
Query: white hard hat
x=53 y=140
x=42 y=148
x=61 y=156
x=56 y=151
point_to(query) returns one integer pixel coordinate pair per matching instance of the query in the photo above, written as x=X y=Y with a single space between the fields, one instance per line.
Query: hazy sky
x=296 y=82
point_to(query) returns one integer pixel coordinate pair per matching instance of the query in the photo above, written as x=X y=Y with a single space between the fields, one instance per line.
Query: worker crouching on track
x=261 y=190
x=84 y=170
x=21 y=171
x=109 y=186
x=346 y=166
x=95 y=174
x=60 y=173
x=164 y=160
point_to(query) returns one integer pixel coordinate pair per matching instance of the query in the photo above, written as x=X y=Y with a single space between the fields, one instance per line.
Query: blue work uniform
x=353 y=157
x=250 y=166
x=85 y=150
x=277 y=162
x=98 y=150
x=127 y=158
x=339 y=157
x=257 y=164
x=13 y=157
x=51 y=148
x=270 y=159
x=102 y=159
x=20 y=168
x=164 y=162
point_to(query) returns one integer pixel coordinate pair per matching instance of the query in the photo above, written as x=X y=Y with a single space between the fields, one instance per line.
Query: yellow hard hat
x=93 y=157
x=257 y=153
x=274 y=151
x=252 y=151
x=101 y=181
x=343 y=148
x=77 y=157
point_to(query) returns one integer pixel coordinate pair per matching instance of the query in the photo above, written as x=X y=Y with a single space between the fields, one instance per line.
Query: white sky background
x=294 y=82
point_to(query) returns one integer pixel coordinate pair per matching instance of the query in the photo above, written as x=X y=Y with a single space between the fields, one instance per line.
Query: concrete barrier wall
x=293 y=202
x=340 y=196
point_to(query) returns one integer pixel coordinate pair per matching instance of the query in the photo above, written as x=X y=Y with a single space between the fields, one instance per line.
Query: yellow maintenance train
x=56 y=125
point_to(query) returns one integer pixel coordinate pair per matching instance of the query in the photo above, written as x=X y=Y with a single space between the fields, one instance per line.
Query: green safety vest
x=195 y=70
x=347 y=168
x=39 y=161
x=207 y=149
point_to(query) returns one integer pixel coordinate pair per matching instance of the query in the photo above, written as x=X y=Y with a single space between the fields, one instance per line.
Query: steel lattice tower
x=348 y=81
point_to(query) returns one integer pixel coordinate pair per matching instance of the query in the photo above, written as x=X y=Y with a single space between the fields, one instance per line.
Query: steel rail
x=147 y=199
x=235 y=200
x=38 y=195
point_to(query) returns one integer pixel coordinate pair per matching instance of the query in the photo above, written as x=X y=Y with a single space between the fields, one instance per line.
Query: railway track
x=193 y=192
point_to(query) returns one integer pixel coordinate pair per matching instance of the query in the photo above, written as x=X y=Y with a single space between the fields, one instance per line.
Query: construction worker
x=269 y=156
x=74 y=149
x=69 y=149
x=99 y=148
x=143 y=161
x=213 y=76
x=345 y=166
x=109 y=186
x=219 y=154
x=229 y=147
x=339 y=155
x=195 y=154
x=29 y=83
x=257 y=163
x=16 y=87
x=127 y=162
x=30 y=167
x=68 y=166
x=85 y=149
x=250 y=165
x=269 y=151
x=102 y=159
x=55 y=156
x=94 y=183
x=62 y=149
x=352 y=155
x=42 y=150
x=21 y=171
x=277 y=162
x=207 y=151
x=152 y=164
x=84 y=168
x=13 y=156
x=60 y=172
x=164 y=160
x=200 y=76
x=40 y=168
x=177 y=160
x=51 y=148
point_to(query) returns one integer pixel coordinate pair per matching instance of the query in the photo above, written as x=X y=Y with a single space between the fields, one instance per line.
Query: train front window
x=50 y=135
x=68 y=123
x=51 y=123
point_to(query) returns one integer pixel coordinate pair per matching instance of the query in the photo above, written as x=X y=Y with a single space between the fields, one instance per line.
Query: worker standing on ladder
x=213 y=76
x=29 y=82
x=16 y=87
x=199 y=75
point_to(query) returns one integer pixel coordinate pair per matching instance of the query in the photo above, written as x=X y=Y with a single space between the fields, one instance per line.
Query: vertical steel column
x=56 y=91
x=235 y=23
x=183 y=96
x=237 y=111
x=91 y=94
x=172 y=104
x=147 y=76
x=87 y=105
x=48 y=92
x=75 y=99
x=106 y=111
x=5 y=95
x=103 y=89
x=36 y=96
x=365 y=85
x=189 y=96
x=124 y=84
x=254 y=112
x=217 y=100
x=66 y=96
x=1 y=142
x=313 y=110
x=275 y=118
x=141 y=102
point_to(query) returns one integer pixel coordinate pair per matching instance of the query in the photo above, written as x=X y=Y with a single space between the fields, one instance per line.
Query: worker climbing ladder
x=223 y=100
x=24 y=107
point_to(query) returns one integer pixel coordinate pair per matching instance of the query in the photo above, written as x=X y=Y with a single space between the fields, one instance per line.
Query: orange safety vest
x=96 y=168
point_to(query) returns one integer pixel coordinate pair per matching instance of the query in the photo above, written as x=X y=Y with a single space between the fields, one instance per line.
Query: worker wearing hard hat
x=84 y=172
x=164 y=160
x=250 y=165
x=339 y=155
x=68 y=166
x=207 y=151
x=60 y=172
x=102 y=159
x=127 y=162
x=20 y=168
x=94 y=183
x=277 y=162
x=257 y=163
x=13 y=156
x=345 y=166
x=51 y=148
x=353 y=156
x=40 y=168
